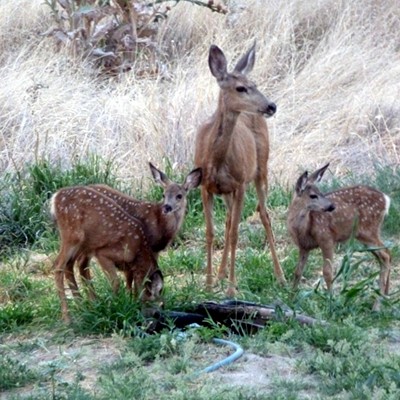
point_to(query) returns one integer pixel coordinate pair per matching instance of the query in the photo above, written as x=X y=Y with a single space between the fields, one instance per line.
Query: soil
x=86 y=355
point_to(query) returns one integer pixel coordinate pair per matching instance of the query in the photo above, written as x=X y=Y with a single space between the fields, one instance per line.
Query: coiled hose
x=226 y=361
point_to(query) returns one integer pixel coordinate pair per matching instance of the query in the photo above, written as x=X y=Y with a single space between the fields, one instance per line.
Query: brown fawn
x=232 y=148
x=317 y=220
x=160 y=221
x=91 y=224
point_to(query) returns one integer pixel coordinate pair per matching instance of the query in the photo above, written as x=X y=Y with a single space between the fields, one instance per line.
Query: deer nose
x=330 y=208
x=166 y=208
x=272 y=108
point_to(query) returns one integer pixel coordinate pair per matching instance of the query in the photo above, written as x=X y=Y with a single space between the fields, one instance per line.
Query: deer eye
x=313 y=196
x=179 y=196
x=241 y=89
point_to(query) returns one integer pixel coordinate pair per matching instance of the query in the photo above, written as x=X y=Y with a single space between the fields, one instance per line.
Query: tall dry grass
x=332 y=66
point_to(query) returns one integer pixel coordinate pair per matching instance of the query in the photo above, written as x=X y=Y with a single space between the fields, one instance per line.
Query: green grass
x=13 y=374
x=351 y=356
x=24 y=215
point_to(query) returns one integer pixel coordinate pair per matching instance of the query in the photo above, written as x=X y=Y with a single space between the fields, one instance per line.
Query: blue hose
x=228 y=360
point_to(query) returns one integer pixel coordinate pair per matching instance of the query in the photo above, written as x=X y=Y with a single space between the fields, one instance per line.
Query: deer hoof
x=377 y=306
x=209 y=283
x=222 y=275
x=231 y=291
x=66 y=319
x=282 y=281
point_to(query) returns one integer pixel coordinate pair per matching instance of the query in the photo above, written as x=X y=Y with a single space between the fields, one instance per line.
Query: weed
x=355 y=369
x=13 y=374
x=109 y=312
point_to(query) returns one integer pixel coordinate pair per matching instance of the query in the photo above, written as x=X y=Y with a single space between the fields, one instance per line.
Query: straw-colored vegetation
x=332 y=67
x=67 y=118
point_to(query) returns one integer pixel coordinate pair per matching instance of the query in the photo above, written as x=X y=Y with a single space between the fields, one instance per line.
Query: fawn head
x=239 y=93
x=175 y=195
x=310 y=194
x=153 y=287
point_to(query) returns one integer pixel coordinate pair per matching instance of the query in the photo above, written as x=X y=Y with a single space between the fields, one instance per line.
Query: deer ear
x=318 y=174
x=155 y=284
x=217 y=63
x=246 y=63
x=301 y=183
x=193 y=179
x=159 y=176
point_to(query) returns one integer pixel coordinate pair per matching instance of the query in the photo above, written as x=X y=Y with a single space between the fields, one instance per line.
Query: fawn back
x=91 y=224
x=323 y=220
x=161 y=221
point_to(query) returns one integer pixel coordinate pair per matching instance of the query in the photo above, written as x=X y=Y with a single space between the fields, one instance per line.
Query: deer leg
x=298 y=273
x=327 y=253
x=222 y=272
x=384 y=275
x=110 y=270
x=84 y=271
x=268 y=230
x=130 y=280
x=387 y=281
x=70 y=277
x=237 y=205
x=62 y=263
x=384 y=259
x=207 y=199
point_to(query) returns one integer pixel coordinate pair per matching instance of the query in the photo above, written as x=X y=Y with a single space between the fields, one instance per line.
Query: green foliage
x=279 y=196
x=110 y=312
x=24 y=215
x=187 y=260
x=151 y=347
x=25 y=300
x=357 y=369
x=323 y=336
x=14 y=374
x=15 y=315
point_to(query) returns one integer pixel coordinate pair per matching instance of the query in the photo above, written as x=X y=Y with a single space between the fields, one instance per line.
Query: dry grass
x=333 y=68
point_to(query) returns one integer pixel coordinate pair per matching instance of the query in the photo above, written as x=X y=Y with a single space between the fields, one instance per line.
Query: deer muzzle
x=270 y=109
x=166 y=209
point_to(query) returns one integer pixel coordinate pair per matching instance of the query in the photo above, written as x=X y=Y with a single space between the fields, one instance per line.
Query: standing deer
x=323 y=220
x=91 y=224
x=232 y=148
x=160 y=221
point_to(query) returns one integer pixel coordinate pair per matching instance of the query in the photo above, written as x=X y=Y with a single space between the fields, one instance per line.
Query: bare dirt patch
x=84 y=357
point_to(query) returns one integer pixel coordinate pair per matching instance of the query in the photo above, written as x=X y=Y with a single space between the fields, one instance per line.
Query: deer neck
x=225 y=122
x=299 y=220
x=160 y=228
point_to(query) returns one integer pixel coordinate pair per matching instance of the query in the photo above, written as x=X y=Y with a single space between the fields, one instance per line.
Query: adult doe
x=317 y=220
x=232 y=148
x=93 y=225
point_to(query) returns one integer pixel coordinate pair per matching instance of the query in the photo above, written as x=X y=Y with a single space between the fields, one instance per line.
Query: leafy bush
x=116 y=36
